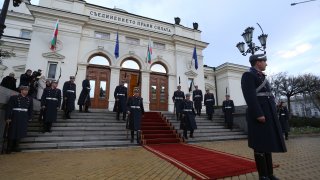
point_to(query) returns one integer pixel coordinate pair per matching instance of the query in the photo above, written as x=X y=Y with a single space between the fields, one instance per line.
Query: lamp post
x=252 y=48
x=293 y=4
x=4 y=11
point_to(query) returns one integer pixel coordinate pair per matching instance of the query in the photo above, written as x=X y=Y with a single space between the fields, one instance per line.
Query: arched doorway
x=158 y=88
x=99 y=77
x=130 y=72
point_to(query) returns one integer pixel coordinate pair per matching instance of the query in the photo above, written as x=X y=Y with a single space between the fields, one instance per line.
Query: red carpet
x=155 y=129
x=202 y=163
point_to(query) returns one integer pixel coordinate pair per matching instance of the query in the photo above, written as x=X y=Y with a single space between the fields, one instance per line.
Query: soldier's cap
x=54 y=81
x=207 y=89
x=258 y=57
x=188 y=95
x=179 y=85
x=72 y=77
x=227 y=95
x=24 y=87
x=136 y=90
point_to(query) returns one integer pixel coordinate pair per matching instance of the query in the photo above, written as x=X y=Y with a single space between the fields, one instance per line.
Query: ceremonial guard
x=178 y=97
x=209 y=102
x=42 y=114
x=135 y=111
x=264 y=129
x=197 y=98
x=120 y=95
x=18 y=113
x=228 y=110
x=50 y=103
x=283 y=118
x=84 y=98
x=69 y=97
x=188 y=122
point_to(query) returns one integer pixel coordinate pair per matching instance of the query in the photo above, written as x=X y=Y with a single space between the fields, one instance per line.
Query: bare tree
x=311 y=85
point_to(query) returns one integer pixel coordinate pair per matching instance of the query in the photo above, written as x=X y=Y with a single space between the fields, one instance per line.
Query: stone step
x=74 y=138
x=86 y=128
x=216 y=138
x=87 y=124
x=77 y=133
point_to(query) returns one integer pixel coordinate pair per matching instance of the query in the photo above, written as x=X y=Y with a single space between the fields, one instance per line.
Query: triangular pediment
x=191 y=73
x=53 y=55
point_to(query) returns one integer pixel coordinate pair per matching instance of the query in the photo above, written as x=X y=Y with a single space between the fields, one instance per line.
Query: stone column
x=172 y=86
x=114 y=82
x=145 y=88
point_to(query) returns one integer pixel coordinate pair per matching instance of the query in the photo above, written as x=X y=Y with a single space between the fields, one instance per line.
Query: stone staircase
x=208 y=130
x=85 y=130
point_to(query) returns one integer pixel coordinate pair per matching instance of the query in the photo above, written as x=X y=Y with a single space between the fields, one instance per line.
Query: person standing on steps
x=228 y=110
x=50 y=103
x=188 y=122
x=264 y=130
x=120 y=95
x=177 y=98
x=135 y=112
x=69 y=97
x=197 y=98
x=84 y=98
x=209 y=102
x=18 y=113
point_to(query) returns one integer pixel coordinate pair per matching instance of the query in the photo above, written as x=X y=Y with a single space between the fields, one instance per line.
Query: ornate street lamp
x=4 y=11
x=252 y=48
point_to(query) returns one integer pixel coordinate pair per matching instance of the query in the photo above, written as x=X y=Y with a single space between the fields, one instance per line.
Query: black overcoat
x=9 y=82
x=19 y=110
x=262 y=137
x=84 y=98
x=283 y=118
x=135 y=106
x=51 y=99
x=178 y=97
x=25 y=80
x=120 y=93
x=197 y=98
x=228 y=109
x=209 y=102
x=188 y=121
x=69 y=92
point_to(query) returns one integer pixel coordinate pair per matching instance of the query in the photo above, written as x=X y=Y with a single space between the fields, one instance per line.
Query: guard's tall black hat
x=257 y=57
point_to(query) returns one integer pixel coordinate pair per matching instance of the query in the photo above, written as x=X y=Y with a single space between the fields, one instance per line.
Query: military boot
x=80 y=108
x=261 y=164
x=138 y=137
x=118 y=114
x=132 y=136
x=270 y=166
x=124 y=116
x=86 y=109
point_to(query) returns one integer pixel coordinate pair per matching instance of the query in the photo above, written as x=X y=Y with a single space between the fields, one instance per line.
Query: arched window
x=159 y=68
x=99 y=60
x=130 y=64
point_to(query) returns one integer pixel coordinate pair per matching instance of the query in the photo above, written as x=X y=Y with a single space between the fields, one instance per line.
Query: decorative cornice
x=19 y=68
x=191 y=74
x=53 y=55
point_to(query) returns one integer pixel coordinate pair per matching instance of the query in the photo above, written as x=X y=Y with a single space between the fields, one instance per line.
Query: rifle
x=5 y=138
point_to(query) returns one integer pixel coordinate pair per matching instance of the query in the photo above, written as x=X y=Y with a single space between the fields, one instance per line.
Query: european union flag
x=116 y=49
x=195 y=57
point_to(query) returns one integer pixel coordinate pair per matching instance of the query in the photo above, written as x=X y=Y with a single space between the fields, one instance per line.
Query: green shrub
x=302 y=122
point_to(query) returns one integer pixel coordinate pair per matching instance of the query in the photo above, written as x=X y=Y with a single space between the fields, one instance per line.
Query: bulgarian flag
x=55 y=36
x=149 y=52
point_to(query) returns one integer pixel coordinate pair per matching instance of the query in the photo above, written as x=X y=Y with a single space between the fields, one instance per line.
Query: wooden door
x=99 y=77
x=158 y=92
x=132 y=78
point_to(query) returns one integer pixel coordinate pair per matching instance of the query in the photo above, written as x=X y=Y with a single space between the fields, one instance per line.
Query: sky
x=293 y=43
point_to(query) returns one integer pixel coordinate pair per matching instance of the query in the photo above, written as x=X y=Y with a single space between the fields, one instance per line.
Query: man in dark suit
x=120 y=95
x=228 y=110
x=9 y=82
x=135 y=112
x=209 y=102
x=197 y=98
x=18 y=113
x=264 y=129
x=177 y=98
x=69 y=97
x=84 y=98
x=50 y=103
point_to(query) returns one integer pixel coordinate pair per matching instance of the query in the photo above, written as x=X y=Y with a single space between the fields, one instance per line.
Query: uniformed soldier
x=50 y=103
x=18 y=113
x=197 y=98
x=188 y=122
x=84 y=98
x=135 y=111
x=120 y=95
x=228 y=110
x=42 y=113
x=69 y=97
x=264 y=129
x=178 y=97
x=283 y=118
x=209 y=102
